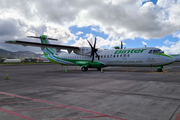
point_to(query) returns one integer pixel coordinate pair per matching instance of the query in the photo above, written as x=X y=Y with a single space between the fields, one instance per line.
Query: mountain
x=18 y=54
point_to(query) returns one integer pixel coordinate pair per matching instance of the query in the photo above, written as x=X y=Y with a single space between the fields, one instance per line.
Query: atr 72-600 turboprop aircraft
x=92 y=57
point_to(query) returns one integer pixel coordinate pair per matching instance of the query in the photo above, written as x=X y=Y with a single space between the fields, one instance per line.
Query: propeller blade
x=93 y=50
x=121 y=45
x=92 y=59
x=90 y=44
x=95 y=43
x=97 y=55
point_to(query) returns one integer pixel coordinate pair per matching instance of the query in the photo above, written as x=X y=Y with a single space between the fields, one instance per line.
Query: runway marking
x=16 y=114
x=150 y=72
x=80 y=109
x=178 y=117
x=164 y=72
x=169 y=73
x=130 y=71
x=38 y=109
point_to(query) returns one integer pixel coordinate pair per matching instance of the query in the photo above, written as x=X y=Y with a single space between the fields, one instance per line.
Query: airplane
x=92 y=57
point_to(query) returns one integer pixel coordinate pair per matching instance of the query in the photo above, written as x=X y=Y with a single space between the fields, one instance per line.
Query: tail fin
x=46 y=51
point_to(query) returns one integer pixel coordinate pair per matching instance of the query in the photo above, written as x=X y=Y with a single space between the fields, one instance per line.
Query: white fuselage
x=126 y=57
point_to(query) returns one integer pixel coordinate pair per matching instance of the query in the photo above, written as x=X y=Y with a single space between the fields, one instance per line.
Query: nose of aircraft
x=170 y=59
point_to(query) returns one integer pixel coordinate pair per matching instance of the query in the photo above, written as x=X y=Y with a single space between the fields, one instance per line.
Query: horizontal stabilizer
x=41 y=37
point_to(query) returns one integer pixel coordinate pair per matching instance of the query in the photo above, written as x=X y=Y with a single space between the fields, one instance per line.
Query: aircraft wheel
x=99 y=69
x=84 y=69
x=159 y=70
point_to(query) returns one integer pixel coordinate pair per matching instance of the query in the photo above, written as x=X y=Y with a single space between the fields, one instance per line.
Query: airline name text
x=129 y=51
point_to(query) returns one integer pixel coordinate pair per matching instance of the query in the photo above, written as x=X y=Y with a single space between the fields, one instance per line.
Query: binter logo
x=129 y=51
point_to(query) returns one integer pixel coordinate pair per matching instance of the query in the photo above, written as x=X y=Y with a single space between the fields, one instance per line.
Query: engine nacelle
x=83 y=51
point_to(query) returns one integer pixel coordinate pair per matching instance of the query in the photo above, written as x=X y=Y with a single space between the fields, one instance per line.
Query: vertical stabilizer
x=44 y=39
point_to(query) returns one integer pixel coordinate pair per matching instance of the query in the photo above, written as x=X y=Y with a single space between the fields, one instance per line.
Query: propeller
x=41 y=37
x=93 y=50
x=121 y=45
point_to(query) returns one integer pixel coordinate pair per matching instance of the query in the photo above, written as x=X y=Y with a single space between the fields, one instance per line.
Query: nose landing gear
x=159 y=69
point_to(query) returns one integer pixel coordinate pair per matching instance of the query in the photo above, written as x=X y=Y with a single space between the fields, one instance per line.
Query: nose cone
x=170 y=59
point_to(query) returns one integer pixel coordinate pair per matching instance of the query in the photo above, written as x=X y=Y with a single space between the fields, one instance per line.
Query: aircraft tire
x=99 y=69
x=84 y=69
x=159 y=70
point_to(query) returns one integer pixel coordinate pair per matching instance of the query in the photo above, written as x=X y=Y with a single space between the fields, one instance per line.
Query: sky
x=154 y=23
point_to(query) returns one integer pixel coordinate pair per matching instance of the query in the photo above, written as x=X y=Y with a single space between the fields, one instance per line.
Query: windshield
x=160 y=51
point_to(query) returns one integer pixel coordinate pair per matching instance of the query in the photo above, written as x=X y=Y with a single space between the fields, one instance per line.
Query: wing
x=42 y=45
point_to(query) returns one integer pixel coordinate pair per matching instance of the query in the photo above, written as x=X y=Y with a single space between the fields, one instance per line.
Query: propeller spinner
x=93 y=50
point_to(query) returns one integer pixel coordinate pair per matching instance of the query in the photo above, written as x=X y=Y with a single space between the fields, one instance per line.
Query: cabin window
x=101 y=56
x=150 y=52
x=121 y=55
x=111 y=56
x=117 y=55
x=155 y=51
x=124 y=55
x=128 y=55
x=104 y=56
x=114 y=56
x=107 y=56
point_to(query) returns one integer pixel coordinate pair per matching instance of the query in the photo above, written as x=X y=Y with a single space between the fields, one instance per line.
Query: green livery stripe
x=49 y=54
x=162 y=54
x=76 y=62
x=43 y=40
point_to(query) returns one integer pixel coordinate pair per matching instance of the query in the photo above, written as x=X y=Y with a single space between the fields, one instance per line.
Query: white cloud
x=167 y=42
x=100 y=42
x=144 y=43
x=79 y=33
x=120 y=19
x=173 y=49
x=95 y=29
x=89 y=35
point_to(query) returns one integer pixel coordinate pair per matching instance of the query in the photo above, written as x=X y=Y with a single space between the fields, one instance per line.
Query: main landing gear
x=99 y=69
x=84 y=68
x=159 y=69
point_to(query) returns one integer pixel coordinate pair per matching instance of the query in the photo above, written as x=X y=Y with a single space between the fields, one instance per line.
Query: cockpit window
x=150 y=52
x=155 y=51
x=160 y=51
